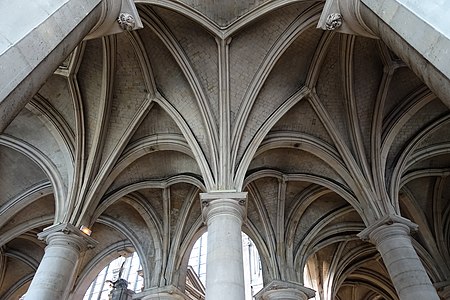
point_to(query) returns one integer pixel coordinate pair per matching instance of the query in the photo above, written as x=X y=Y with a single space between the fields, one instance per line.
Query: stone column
x=285 y=290
x=224 y=212
x=163 y=293
x=391 y=236
x=55 y=275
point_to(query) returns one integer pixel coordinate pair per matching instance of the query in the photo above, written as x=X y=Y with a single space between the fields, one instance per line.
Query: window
x=101 y=286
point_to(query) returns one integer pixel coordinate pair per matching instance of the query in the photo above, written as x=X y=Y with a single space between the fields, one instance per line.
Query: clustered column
x=55 y=275
x=224 y=212
x=391 y=236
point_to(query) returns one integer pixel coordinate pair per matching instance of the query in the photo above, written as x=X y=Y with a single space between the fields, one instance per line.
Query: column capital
x=59 y=234
x=228 y=202
x=277 y=289
x=387 y=226
x=169 y=292
x=223 y=194
x=55 y=276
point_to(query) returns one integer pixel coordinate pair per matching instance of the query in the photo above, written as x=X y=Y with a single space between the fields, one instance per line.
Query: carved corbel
x=344 y=16
x=117 y=16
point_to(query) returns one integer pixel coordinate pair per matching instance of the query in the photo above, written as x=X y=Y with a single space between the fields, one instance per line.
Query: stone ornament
x=333 y=21
x=126 y=21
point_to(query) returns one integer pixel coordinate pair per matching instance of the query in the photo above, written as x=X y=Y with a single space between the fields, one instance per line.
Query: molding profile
x=344 y=16
x=226 y=201
x=162 y=293
x=367 y=234
x=277 y=289
x=117 y=16
x=83 y=240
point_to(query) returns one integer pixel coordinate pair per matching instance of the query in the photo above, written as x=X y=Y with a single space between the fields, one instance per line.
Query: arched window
x=130 y=269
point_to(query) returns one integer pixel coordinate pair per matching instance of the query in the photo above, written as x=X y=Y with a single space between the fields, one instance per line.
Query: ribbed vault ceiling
x=326 y=132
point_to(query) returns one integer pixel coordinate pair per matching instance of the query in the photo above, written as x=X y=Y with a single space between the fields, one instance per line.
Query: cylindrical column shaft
x=407 y=273
x=55 y=274
x=224 y=260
